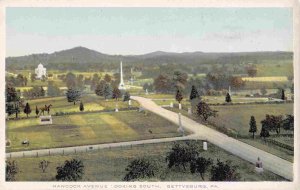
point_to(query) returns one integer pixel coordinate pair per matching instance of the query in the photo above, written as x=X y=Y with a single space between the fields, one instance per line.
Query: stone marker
x=179 y=106
x=171 y=105
x=204 y=145
x=46 y=120
x=180 y=129
x=258 y=166
x=116 y=109
x=129 y=102
x=146 y=92
x=190 y=111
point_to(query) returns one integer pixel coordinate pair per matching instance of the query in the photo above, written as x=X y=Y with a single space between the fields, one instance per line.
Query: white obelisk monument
x=121 y=85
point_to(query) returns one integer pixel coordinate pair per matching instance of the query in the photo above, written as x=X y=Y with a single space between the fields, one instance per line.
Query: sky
x=129 y=31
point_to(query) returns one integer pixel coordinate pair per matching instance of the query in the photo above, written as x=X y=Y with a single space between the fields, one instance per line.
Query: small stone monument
x=190 y=111
x=45 y=120
x=146 y=92
x=171 y=105
x=258 y=166
x=7 y=143
x=180 y=129
x=129 y=102
x=179 y=106
x=204 y=145
x=116 y=109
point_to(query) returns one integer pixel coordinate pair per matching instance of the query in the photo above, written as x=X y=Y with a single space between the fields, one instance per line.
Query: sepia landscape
x=174 y=114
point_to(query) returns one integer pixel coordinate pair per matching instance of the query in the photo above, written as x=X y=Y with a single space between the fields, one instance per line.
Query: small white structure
x=179 y=106
x=171 y=105
x=129 y=102
x=204 y=145
x=190 y=111
x=45 y=120
x=121 y=85
x=146 y=92
x=40 y=71
x=180 y=129
x=116 y=109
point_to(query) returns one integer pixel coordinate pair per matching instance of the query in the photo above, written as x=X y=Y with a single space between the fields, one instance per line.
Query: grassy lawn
x=91 y=103
x=237 y=117
x=109 y=165
x=282 y=68
x=91 y=128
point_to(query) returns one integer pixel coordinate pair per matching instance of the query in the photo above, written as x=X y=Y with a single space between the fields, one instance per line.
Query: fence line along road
x=247 y=152
x=88 y=148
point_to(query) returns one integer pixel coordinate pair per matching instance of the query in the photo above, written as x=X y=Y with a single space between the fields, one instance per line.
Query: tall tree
x=12 y=100
x=81 y=106
x=95 y=80
x=27 y=109
x=200 y=165
x=163 y=84
x=126 y=96
x=194 y=93
x=252 y=124
x=140 y=168
x=107 y=91
x=42 y=92
x=73 y=95
x=36 y=111
x=282 y=94
x=99 y=90
x=44 y=165
x=182 y=154
x=204 y=111
x=107 y=78
x=272 y=123
x=252 y=71
x=228 y=98
x=264 y=132
x=116 y=93
x=180 y=80
x=224 y=172
x=70 y=80
x=72 y=170
x=179 y=96
x=288 y=123
x=11 y=169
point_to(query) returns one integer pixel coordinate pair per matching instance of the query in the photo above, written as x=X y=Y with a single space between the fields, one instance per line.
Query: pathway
x=271 y=162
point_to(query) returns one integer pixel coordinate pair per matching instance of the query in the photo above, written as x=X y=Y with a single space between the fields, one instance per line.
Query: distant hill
x=84 y=58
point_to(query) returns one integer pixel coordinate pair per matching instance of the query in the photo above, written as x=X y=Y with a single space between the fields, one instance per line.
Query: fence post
x=63 y=151
x=75 y=150
x=49 y=152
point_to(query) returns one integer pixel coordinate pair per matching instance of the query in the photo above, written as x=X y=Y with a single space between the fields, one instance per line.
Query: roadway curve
x=271 y=162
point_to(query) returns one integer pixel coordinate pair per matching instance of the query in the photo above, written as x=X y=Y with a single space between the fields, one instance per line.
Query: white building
x=40 y=71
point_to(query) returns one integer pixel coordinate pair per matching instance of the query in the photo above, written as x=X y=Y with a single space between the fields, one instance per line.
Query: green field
x=109 y=165
x=281 y=68
x=237 y=117
x=91 y=103
x=91 y=128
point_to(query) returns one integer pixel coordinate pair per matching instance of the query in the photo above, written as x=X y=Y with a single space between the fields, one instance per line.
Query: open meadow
x=109 y=165
x=91 y=128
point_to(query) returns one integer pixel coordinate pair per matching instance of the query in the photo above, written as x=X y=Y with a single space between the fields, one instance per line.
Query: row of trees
x=272 y=123
x=71 y=170
x=183 y=156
